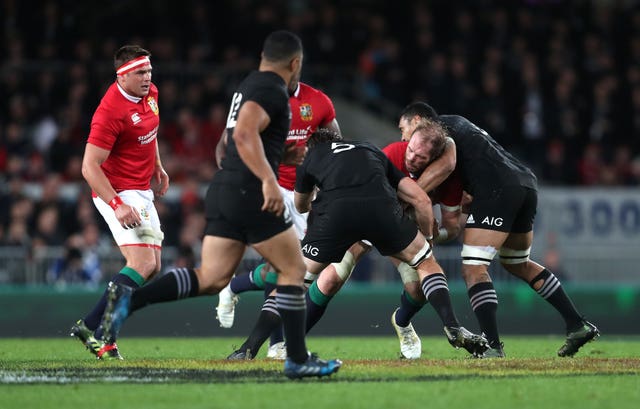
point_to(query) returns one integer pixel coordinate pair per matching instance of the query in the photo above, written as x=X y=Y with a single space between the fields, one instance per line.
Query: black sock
x=244 y=282
x=277 y=335
x=268 y=319
x=176 y=284
x=484 y=302
x=290 y=302
x=436 y=291
x=92 y=320
x=552 y=291
x=408 y=308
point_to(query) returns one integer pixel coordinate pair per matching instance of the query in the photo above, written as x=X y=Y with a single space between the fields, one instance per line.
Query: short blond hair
x=430 y=131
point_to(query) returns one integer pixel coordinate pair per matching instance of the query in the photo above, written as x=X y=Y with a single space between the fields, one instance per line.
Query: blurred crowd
x=556 y=82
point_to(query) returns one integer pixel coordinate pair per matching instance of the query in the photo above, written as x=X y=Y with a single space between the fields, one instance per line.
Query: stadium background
x=556 y=82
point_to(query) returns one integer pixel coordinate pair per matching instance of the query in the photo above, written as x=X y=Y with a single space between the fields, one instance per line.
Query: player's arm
x=253 y=119
x=449 y=227
x=411 y=193
x=94 y=156
x=333 y=125
x=221 y=148
x=439 y=169
x=302 y=201
x=161 y=176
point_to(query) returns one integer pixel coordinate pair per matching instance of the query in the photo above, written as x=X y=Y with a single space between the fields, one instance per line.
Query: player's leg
x=478 y=250
x=411 y=301
x=330 y=280
x=220 y=258
x=140 y=248
x=514 y=256
x=418 y=254
x=283 y=252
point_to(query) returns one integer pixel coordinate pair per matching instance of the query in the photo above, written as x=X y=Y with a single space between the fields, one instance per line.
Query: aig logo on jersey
x=309 y=249
x=306 y=113
x=491 y=221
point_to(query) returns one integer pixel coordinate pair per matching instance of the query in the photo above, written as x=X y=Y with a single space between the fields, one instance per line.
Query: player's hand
x=161 y=179
x=273 y=201
x=128 y=216
x=293 y=154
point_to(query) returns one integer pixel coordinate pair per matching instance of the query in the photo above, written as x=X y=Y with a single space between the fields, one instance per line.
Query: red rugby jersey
x=129 y=131
x=310 y=109
x=449 y=193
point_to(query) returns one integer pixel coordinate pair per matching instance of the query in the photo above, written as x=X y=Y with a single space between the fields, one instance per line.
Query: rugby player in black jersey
x=500 y=221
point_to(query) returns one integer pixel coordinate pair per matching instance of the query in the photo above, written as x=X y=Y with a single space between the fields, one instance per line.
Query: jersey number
x=341 y=147
x=233 y=111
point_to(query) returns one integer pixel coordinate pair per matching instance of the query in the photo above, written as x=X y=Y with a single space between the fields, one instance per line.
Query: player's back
x=483 y=162
x=268 y=90
x=347 y=170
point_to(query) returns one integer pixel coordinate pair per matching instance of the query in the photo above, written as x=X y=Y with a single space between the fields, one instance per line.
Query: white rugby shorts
x=148 y=234
x=298 y=219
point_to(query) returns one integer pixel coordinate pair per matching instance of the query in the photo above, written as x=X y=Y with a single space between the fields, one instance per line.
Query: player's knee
x=408 y=274
x=423 y=254
x=345 y=267
x=513 y=259
x=146 y=267
x=477 y=255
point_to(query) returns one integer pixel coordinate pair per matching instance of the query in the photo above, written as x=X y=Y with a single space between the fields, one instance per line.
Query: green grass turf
x=192 y=373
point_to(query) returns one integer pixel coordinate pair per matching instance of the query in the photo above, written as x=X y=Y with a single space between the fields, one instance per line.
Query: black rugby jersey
x=347 y=169
x=268 y=90
x=483 y=163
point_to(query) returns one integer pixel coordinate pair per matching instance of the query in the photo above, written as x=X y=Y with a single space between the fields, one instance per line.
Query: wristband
x=115 y=202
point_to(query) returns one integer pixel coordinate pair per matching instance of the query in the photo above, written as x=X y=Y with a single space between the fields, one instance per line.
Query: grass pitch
x=192 y=373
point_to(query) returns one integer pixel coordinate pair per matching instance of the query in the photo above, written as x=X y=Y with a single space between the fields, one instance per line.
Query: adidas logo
x=470 y=219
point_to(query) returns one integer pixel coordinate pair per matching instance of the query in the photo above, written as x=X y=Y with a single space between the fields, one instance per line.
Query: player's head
x=133 y=69
x=411 y=116
x=322 y=135
x=283 y=50
x=426 y=145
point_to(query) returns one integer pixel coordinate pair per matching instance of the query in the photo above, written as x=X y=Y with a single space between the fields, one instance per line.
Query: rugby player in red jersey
x=121 y=159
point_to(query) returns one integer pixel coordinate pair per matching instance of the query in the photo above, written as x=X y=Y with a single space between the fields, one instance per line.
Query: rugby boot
x=277 y=351
x=576 y=339
x=410 y=344
x=109 y=352
x=85 y=335
x=460 y=337
x=240 y=355
x=226 y=309
x=313 y=366
x=496 y=351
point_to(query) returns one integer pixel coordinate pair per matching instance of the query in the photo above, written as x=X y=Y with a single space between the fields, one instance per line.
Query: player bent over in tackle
x=357 y=199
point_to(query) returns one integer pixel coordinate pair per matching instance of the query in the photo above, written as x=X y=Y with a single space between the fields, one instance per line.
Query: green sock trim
x=271 y=277
x=316 y=295
x=406 y=295
x=133 y=274
x=257 y=276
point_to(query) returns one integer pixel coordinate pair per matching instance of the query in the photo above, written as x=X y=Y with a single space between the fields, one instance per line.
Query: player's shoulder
x=112 y=100
x=308 y=92
x=153 y=89
x=457 y=122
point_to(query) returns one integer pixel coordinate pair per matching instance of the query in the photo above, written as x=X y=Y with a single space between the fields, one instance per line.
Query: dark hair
x=422 y=109
x=128 y=53
x=323 y=135
x=281 y=45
